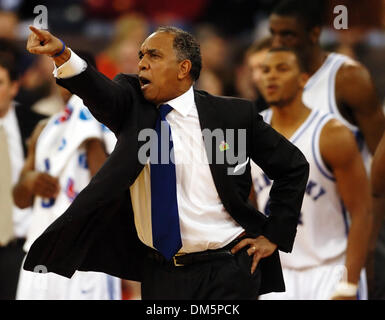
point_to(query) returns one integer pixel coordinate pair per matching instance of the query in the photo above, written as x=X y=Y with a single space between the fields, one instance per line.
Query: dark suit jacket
x=27 y=120
x=97 y=231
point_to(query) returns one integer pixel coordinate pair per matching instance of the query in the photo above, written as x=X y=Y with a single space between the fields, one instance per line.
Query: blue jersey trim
x=317 y=158
x=304 y=127
x=110 y=287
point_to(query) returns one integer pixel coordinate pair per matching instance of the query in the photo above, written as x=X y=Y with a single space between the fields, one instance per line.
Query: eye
x=154 y=55
x=288 y=34
x=283 y=68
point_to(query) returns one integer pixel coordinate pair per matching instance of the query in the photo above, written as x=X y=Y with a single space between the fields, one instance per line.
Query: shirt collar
x=10 y=115
x=184 y=103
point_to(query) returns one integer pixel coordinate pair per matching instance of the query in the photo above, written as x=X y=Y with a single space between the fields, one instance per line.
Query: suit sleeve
x=108 y=100
x=285 y=164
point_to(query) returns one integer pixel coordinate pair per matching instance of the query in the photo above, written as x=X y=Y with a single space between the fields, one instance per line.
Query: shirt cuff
x=74 y=66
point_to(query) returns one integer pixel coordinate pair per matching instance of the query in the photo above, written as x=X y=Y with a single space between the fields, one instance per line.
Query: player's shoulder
x=352 y=70
x=335 y=135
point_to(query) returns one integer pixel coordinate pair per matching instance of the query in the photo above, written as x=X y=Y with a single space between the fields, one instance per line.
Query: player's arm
x=355 y=89
x=31 y=182
x=96 y=154
x=378 y=170
x=378 y=190
x=340 y=152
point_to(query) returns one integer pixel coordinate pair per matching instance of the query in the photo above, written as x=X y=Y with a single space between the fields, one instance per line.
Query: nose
x=277 y=41
x=143 y=64
x=269 y=76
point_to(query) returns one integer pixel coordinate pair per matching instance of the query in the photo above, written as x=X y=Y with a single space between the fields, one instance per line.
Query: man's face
x=281 y=78
x=255 y=61
x=8 y=90
x=159 y=68
x=288 y=32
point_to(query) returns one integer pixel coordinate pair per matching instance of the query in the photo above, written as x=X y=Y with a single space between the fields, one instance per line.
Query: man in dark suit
x=182 y=227
x=16 y=125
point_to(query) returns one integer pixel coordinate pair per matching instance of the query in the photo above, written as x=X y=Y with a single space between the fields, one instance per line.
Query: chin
x=273 y=102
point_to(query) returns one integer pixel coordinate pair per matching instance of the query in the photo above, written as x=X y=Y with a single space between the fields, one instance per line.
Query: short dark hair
x=186 y=47
x=8 y=62
x=311 y=13
x=301 y=60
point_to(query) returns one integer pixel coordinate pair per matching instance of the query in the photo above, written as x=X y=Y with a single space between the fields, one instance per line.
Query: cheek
x=290 y=89
x=4 y=94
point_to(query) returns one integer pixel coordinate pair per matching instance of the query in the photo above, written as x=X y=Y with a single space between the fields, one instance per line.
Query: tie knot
x=164 y=109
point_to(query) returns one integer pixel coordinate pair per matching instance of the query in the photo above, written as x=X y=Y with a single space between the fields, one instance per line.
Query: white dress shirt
x=204 y=222
x=21 y=218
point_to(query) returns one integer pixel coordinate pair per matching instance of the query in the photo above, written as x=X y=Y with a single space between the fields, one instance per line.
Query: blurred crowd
x=228 y=31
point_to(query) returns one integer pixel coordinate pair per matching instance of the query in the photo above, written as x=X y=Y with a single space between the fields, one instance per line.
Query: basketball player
x=339 y=85
x=64 y=152
x=329 y=251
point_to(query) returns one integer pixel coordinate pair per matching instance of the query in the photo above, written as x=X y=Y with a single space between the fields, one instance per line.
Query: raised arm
x=340 y=152
x=108 y=100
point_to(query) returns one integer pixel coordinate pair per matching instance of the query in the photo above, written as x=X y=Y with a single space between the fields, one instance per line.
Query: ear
x=14 y=88
x=315 y=34
x=184 y=69
x=303 y=79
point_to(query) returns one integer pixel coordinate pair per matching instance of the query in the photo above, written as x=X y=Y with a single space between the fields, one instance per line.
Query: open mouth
x=144 y=82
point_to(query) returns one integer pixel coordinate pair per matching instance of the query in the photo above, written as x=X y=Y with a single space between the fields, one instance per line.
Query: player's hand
x=43 y=42
x=42 y=184
x=260 y=247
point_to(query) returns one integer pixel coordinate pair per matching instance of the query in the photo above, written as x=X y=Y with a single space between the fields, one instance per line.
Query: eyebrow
x=284 y=31
x=281 y=64
x=150 y=51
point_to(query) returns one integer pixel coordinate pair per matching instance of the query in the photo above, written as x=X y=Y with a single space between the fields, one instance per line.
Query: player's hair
x=300 y=57
x=260 y=45
x=310 y=13
x=186 y=47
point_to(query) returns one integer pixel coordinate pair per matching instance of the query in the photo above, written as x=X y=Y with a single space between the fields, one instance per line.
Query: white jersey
x=319 y=93
x=60 y=151
x=323 y=227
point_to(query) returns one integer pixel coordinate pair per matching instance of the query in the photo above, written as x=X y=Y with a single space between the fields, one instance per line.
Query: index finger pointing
x=37 y=32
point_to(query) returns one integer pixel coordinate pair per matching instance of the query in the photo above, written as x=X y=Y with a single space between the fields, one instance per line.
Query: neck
x=291 y=115
x=316 y=58
x=3 y=112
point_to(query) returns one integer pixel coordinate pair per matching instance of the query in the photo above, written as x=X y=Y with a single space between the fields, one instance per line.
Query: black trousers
x=220 y=279
x=11 y=258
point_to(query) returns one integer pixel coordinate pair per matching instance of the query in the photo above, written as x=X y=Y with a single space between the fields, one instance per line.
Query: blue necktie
x=164 y=207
